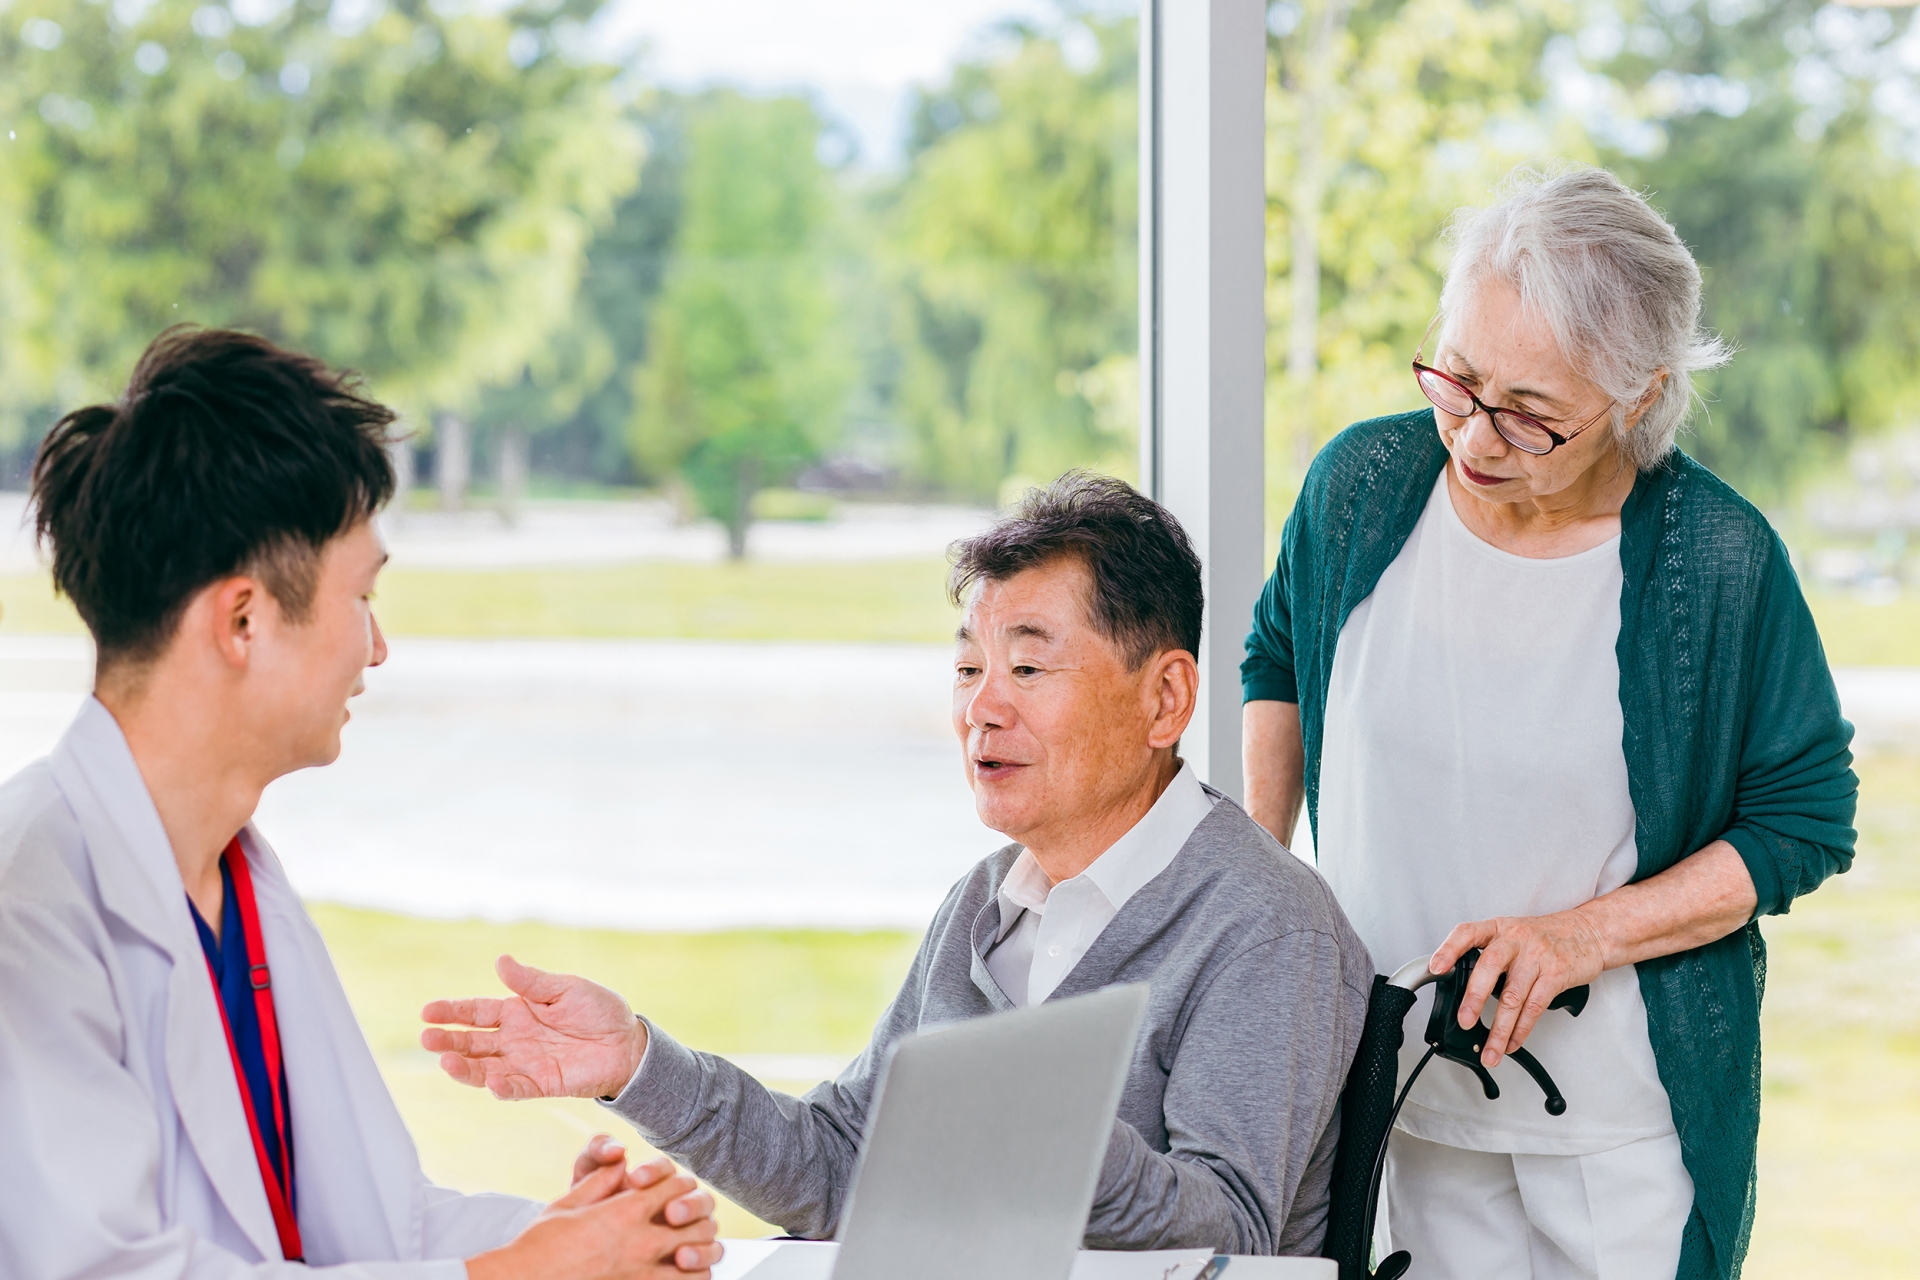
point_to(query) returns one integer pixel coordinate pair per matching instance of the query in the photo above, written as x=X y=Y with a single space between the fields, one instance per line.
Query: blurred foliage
x=1015 y=245
x=703 y=289
x=403 y=189
x=626 y=265
x=1757 y=128
x=747 y=372
x=1754 y=127
x=1427 y=105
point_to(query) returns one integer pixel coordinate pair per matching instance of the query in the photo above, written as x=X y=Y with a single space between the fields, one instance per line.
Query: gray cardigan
x=1227 y=1126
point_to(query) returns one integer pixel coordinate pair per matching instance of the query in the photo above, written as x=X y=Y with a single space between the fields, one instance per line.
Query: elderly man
x=1074 y=677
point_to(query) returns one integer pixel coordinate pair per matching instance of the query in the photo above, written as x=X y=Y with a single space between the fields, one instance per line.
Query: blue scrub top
x=227 y=956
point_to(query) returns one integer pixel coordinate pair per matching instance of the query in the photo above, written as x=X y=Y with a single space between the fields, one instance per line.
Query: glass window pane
x=712 y=326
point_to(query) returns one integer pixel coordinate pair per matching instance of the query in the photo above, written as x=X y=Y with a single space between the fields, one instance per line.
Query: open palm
x=557 y=1036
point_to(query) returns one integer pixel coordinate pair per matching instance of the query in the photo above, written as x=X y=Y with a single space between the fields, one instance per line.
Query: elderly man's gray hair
x=1609 y=278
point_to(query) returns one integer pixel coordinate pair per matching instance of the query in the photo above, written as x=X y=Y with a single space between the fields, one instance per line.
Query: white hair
x=1610 y=280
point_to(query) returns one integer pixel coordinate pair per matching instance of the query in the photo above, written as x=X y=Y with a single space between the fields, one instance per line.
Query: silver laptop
x=986 y=1142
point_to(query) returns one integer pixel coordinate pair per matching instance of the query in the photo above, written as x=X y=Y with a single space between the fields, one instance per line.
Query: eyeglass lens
x=1518 y=430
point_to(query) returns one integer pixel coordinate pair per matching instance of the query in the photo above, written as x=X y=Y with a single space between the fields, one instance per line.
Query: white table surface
x=814 y=1261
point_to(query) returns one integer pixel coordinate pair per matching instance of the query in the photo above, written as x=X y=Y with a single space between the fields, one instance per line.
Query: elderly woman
x=1532 y=669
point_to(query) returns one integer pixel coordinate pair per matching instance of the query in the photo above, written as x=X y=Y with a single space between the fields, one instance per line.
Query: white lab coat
x=124 y=1150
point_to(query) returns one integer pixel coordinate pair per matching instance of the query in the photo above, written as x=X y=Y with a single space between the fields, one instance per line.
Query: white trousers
x=1493 y=1216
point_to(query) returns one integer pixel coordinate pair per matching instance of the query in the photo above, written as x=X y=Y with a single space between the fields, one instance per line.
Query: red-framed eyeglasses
x=1523 y=431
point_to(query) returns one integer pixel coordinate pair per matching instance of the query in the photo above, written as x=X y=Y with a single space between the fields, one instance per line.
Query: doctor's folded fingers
x=688 y=1208
x=591 y=1189
x=660 y=1245
x=601 y=1150
x=699 y=1258
x=646 y=1174
x=615 y=1238
x=691 y=1207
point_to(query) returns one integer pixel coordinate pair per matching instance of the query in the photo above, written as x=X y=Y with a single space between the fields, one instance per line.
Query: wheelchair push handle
x=1414 y=975
x=1463 y=1045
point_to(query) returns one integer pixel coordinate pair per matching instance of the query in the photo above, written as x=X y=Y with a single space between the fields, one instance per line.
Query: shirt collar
x=1127 y=865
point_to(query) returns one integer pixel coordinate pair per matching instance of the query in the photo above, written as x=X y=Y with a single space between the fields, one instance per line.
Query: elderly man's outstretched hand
x=557 y=1036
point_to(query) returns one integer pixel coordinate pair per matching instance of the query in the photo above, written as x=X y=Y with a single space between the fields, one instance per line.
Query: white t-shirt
x=1472 y=767
x=1045 y=928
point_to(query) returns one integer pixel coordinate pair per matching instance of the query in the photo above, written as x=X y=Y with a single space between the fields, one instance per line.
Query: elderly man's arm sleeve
x=1249 y=1099
x=787 y=1160
x=1266 y=673
x=1795 y=797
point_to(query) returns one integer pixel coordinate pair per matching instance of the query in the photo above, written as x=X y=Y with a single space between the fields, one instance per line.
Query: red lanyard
x=279 y=1193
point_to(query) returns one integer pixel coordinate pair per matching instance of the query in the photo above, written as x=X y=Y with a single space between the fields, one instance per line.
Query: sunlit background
x=714 y=323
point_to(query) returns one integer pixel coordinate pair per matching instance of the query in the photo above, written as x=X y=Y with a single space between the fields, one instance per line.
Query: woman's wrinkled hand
x=1541 y=956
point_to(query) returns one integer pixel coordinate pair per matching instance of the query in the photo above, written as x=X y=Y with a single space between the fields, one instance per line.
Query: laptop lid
x=986 y=1141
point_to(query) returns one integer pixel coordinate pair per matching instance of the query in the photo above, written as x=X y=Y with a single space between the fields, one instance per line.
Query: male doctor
x=183 y=1089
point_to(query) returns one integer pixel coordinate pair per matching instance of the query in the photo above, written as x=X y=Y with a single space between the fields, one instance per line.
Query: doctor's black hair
x=1147 y=595
x=225 y=455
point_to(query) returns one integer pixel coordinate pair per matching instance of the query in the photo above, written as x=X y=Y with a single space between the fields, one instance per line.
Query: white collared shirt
x=1045 y=928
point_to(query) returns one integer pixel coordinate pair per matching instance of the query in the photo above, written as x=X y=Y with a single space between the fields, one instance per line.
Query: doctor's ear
x=230 y=613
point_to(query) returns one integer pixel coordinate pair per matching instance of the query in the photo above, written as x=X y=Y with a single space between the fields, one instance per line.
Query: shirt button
x=1054 y=950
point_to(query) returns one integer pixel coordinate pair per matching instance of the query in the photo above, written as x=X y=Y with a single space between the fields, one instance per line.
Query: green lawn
x=27 y=604
x=1859 y=634
x=880 y=600
x=887 y=601
x=1840 y=1119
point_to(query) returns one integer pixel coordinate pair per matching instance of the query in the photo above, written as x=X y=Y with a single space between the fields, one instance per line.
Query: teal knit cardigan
x=1733 y=731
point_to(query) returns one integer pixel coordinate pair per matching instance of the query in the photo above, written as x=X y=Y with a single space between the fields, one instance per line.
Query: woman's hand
x=1699 y=899
x=1541 y=956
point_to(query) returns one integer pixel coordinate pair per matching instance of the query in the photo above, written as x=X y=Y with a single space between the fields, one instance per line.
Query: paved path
x=646 y=784
x=638 y=784
x=626 y=532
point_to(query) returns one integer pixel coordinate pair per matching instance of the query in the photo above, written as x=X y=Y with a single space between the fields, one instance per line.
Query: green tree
x=411 y=194
x=1410 y=109
x=1015 y=244
x=1755 y=129
x=576 y=399
x=746 y=372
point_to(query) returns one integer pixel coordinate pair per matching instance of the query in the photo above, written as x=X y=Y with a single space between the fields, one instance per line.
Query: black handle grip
x=1556 y=1105
x=1573 y=999
x=1393 y=1266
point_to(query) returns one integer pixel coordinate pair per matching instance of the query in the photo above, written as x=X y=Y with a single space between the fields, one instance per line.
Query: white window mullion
x=1203 y=324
